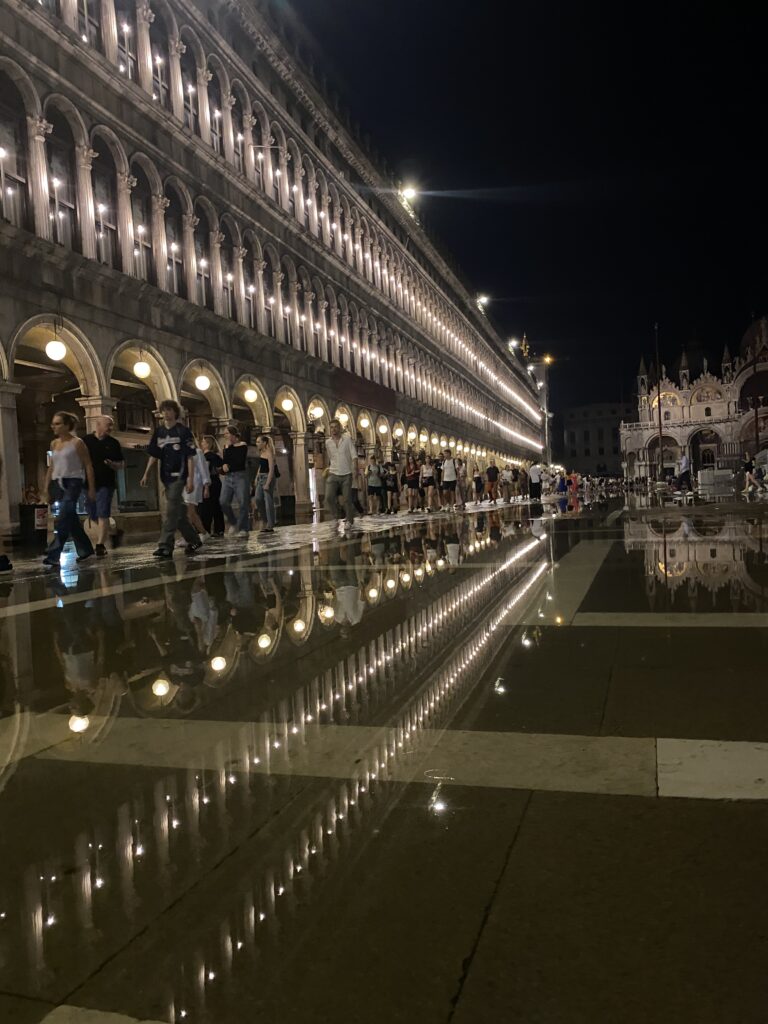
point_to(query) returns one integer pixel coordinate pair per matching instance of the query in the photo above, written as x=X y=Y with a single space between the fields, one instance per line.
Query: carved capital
x=176 y=48
x=260 y=266
x=126 y=182
x=189 y=220
x=239 y=252
x=310 y=296
x=162 y=202
x=249 y=122
x=85 y=156
x=228 y=101
x=204 y=76
x=323 y=304
x=216 y=237
x=295 y=287
x=277 y=277
x=38 y=128
x=144 y=13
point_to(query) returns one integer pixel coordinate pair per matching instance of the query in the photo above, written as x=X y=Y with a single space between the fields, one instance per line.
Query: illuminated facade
x=711 y=419
x=185 y=215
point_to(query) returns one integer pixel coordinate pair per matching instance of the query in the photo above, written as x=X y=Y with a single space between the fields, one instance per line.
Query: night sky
x=592 y=167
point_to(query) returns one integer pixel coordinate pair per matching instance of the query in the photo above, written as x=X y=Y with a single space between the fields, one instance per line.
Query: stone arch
x=81 y=358
x=149 y=168
x=214 y=61
x=71 y=115
x=228 y=221
x=261 y=409
x=365 y=426
x=210 y=211
x=295 y=414
x=181 y=190
x=238 y=89
x=321 y=421
x=23 y=83
x=341 y=411
x=115 y=146
x=217 y=394
x=190 y=38
x=169 y=18
x=160 y=382
x=383 y=436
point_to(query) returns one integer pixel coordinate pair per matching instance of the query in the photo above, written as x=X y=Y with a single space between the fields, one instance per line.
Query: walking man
x=342 y=456
x=684 y=480
x=173 y=446
x=106 y=456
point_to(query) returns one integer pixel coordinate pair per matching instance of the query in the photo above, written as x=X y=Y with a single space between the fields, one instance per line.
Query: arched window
x=89 y=22
x=237 y=133
x=260 y=153
x=203 y=259
x=228 y=272
x=141 y=208
x=104 y=175
x=158 y=40
x=13 y=155
x=214 y=105
x=707 y=411
x=62 y=180
x=667 y=415
x=174 y=233
x=189 y=83
x=126 y=40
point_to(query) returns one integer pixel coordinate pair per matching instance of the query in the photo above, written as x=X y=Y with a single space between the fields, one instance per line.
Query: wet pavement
x=507 y=765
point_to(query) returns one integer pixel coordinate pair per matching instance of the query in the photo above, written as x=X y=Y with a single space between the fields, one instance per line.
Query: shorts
x=374 y=490
x=412 y=485
x=449 y=485
x=102 y=507
x=428 y=481
x=490 y=486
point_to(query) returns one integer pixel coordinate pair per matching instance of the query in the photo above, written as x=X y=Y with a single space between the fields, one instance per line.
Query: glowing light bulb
x=373 y=593
x=383 y=428
x=142 y=369
x=56 y=350
x=390 y=584
x=343 y=418
x=202 y=382
x=327 y=613
x=161 y=687
x=299 y=626
x=364 y=422
x=218 y=664
x=264 y=641
x=79 y=723
x=250 y=395
x=287 y=404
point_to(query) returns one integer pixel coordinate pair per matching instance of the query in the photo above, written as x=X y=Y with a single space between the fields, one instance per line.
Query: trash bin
x=33 y=524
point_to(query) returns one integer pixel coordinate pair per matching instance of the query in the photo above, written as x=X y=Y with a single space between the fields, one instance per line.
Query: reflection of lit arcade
x=213 y=803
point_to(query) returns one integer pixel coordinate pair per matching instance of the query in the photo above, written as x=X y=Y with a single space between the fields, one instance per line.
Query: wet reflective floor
x=503 y=766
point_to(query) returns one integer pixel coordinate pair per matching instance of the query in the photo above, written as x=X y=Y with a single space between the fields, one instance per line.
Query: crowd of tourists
x=215 y=490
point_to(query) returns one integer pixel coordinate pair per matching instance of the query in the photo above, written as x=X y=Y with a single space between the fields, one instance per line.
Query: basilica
x=713 y=419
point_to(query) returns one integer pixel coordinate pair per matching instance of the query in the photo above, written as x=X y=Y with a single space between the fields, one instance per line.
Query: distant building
x=591 y=437
x=712 y=419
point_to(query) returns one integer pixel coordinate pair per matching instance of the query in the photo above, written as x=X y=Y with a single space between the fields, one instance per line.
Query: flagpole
x=658 y=371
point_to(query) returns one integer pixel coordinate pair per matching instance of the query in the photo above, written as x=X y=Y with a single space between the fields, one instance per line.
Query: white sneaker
x=241 y=533
x=231 y=531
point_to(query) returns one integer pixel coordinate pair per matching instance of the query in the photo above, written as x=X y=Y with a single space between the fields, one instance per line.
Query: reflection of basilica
x=712 y=564
x=257 y=660
x=711 y=419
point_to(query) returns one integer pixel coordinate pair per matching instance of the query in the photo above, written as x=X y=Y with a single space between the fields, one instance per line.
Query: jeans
x=68 y=524
x=335 y=486
x=235 y=485
x=176 y=517
x=265 y=501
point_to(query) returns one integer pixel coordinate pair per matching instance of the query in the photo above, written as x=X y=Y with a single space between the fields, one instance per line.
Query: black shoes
x=192 y=549
x=83 y=558
x=6 y=565
x=100 y=551
x=162 y=553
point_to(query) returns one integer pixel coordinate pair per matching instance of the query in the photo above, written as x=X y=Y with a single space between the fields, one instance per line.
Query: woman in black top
x=235 y=482
x=264 y=484
x=210 y=508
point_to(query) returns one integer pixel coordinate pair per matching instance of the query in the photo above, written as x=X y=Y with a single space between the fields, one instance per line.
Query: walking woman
x=477 y=477
x=411 y=474
x=428 y=482
x=210 y=508
x=201 y=481
x=70 y=467
x=461 y=483
x=264 y=483
x=235 y=483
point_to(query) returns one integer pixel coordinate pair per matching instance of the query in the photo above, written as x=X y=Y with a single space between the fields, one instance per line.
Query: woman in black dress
x=209 y=509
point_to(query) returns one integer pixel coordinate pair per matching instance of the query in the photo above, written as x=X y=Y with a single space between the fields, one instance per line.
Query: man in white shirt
x=342 y=456
x=449 y=480
x=534 y=476
x=684 y=480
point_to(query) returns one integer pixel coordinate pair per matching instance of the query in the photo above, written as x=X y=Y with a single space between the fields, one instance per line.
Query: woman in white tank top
x=70 y=468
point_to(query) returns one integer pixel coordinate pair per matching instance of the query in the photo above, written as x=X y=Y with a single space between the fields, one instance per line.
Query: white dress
x=202 y=477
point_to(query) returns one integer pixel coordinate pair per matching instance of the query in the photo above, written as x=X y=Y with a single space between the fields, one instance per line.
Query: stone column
x=144 y=18
x=298 y=195
x=277 y=305
x=376 y=257
x=282 y=178
x=346 y=344
x=294 y=315
x=333 y=335
x=10 y=472
x=227 y=129
x=215 y=240
x=37 y=129
x=309 y=322
x=189 y=223
x=94 y=406
x=322 y=334
x=300 y=475
x=267 y=170
x=125 y=182
x=160 y=204
x=325 y=220
x=249 y=159
x=84 y=157
x=109 y=30
x=69 y=13
x=175 y=83
x=238 y=255
x=261 y=316
x=312 y=204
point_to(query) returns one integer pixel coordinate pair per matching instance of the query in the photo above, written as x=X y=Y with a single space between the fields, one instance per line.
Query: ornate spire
x=641 y=370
